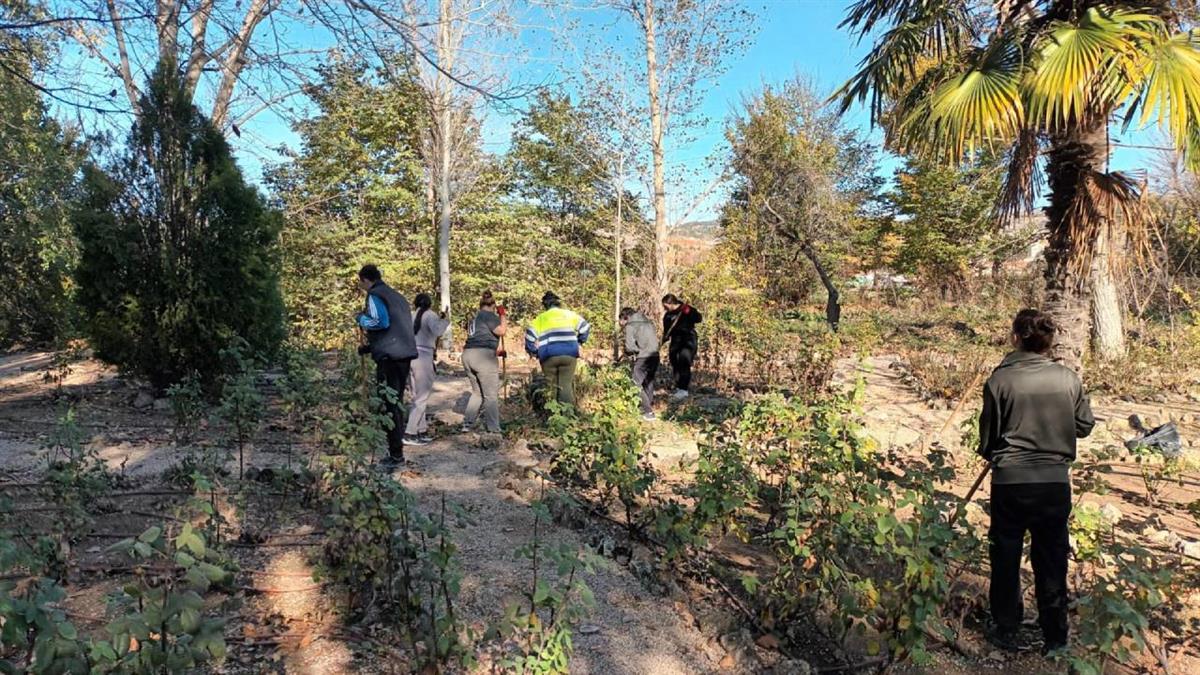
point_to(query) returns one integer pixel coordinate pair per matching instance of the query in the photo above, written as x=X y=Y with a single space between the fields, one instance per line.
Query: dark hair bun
x=1035 y=330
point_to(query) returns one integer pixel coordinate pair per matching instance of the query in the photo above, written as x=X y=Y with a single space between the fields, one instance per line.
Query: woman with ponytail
x=1033 y=411
x=427 y=327
x=480 y=360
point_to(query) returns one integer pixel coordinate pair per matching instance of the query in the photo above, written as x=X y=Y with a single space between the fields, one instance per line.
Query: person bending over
x=481 y=361
x=555 y=337
x=1033 y=411
x=387 y=321
x=679 y=327
x=641 y=343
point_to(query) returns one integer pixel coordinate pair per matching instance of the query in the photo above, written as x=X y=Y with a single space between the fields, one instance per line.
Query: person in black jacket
x=679 y=327
x=387 y=321
x=1033 y=411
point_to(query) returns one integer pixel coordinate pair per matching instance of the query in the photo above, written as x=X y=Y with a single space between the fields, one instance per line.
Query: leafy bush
x=178 y=252
x=162 y=623
x=538 y=638
x=391 y=557
x=188 y=406
x=242 y=404
x=603 y=445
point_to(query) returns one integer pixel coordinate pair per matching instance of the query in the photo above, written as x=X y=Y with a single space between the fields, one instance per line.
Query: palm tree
x=948 y=78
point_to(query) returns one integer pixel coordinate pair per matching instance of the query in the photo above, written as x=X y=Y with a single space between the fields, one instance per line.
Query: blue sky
x=792 y=37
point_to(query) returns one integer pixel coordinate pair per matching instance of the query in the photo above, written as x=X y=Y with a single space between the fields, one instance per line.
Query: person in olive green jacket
x=1033 y=411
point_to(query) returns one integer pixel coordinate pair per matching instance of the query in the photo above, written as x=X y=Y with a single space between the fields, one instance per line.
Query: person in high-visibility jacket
x=554 y=338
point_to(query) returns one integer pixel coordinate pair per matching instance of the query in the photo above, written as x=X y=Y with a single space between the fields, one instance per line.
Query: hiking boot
x=1004 y=639
x=414 y=440
x=1056 y=650
x=679 y=395
x=391 y=463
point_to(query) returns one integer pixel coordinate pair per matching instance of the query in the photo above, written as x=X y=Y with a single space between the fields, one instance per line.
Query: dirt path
x=631 y=629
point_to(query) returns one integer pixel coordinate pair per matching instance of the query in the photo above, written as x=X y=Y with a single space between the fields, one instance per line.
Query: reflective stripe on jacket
x=556 y=332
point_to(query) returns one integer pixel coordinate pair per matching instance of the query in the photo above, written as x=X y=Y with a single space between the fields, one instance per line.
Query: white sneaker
x=649 y=417
x=679 y=395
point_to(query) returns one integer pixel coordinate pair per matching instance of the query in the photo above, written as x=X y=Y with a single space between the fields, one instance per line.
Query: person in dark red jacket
x=679 y=327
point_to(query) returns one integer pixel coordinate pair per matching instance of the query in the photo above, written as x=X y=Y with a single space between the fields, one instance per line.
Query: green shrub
x=187 y=406
x=242 y=404
x=178 y=252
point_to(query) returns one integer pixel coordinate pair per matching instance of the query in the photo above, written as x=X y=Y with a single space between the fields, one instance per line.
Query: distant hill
x=698 y=229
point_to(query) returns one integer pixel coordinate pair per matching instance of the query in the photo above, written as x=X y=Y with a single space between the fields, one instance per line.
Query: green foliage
x=75 y=477
x=603 y=445
x=39 y=163
x=188 y=406
x=356 y=193
x=1122 y=590
x=537 y=637
x=178 y=252
x=945 y=222
x=360 y=427
x=875 y=556
x=391 y=557
x=35 y=634
x=242 y=404
x=163 y=624
x=804 y=180
x=352 y=194
x=748 y=342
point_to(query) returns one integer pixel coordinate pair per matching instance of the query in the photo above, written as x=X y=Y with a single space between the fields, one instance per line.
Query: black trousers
x=394 y=373
x=682 y=356
x=1042 y=509
x=644 y=370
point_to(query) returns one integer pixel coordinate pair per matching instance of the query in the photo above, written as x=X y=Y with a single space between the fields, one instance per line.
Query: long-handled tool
x=962 y=506
x=503 y=354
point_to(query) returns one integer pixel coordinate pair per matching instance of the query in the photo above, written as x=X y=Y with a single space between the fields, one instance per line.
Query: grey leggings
x=483 y=372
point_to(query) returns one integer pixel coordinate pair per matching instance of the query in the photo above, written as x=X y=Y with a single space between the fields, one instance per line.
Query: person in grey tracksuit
x=642 y=344
x=480 y=361
x=427 y=327
x=1033 y=411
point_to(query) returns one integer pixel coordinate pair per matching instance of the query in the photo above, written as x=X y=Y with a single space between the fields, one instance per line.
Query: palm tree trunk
x=1108 y=329
x=1073 y=154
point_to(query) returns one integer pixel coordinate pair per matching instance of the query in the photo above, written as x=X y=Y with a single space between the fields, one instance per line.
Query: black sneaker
x=425 y=438
x=414 y=440
x=1004 y=639
x=1055 y=650
x=391 y=463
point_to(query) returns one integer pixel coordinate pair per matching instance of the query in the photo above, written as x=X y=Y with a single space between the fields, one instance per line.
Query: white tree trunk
x=619 y=253
x=656 y=148
x=445 y=142
x=1108 y=328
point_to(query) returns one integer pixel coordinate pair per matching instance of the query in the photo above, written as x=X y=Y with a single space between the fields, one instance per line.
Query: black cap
x=550 y=300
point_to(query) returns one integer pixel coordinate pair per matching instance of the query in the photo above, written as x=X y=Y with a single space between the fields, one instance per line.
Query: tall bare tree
x=460 y=36
x=684 y=45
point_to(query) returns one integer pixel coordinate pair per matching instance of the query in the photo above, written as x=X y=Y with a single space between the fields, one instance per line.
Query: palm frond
x=1101 y=199
x=921 y=30
x=975 y=108
x=1023 y=178
x=1167 y=85
x=1191 y=147
x=1079 y=66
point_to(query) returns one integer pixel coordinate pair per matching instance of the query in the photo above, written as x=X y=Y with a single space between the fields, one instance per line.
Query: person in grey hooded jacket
x=1033 y=411
x=641 y=343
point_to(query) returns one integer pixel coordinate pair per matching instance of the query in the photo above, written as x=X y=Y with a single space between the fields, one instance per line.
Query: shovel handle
x=962 y=506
